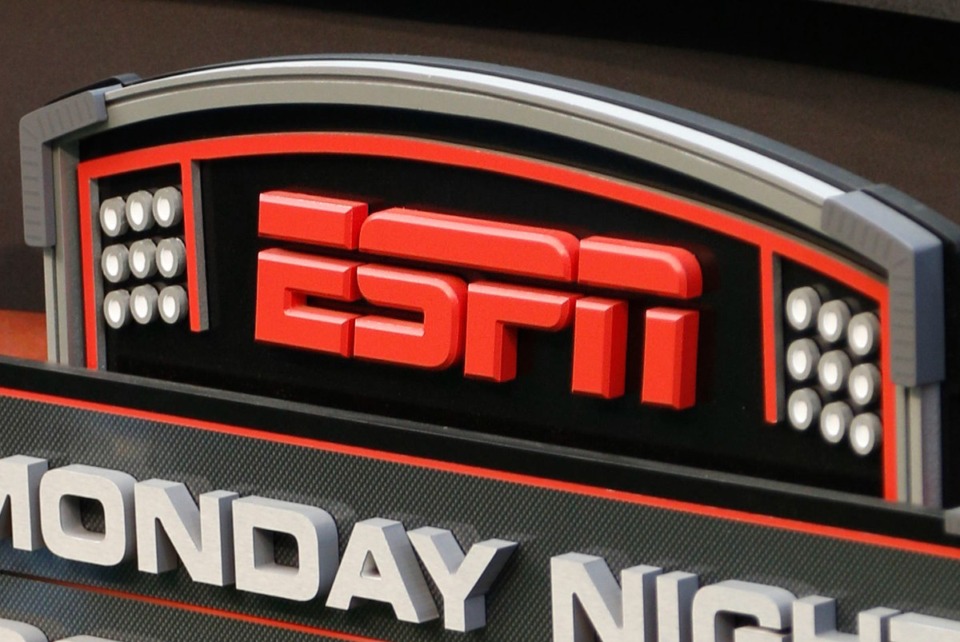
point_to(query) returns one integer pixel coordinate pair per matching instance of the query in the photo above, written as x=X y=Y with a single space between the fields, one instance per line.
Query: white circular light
x=113 y=263
x=831 y=373
x=143 y=304
x=171 y=257
x=139 y=210
x=864 y=384
x=802 y=307
x=803 y=408
x=802 y=358
x=168 y=206
x=865 y=433
x=863 y=334
x=113 y=219
x=833 y=370
x=860 y=387
x=116 y=310
x=832 y=320
x=859 y=337
x=800 y=362
x=143 y=258
x=834 y=421
x=173 y=304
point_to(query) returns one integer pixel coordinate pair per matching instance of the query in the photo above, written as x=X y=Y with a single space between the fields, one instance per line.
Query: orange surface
x=23 y=335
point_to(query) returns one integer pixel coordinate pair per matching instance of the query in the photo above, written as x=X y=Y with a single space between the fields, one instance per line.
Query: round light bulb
x=864 y=384
x=113 y=218
x=143 y=262
x=834 y=421
x=114 y=263
x=171 y=257
x=143 y=304
x=802 y=307
x=832 y=320
x=168 y=206
x=833 y=370
x=116 y=308
x=140 y=210
x=802 y=358
x=863 y=334
x=865 y=433
x=803 y=408
x=173 y=304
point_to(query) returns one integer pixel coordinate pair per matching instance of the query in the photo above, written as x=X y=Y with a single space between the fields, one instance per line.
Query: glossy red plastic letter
x=306 y=218
x=437 y=342
x=284 y=281
x=599 y=347
x=640 y=267
x=469 y=242
x=494 y=311
x=670 y=357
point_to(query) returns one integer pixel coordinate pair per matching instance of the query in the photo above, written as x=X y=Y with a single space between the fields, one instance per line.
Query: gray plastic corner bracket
x=913 y=260
x=951 y=521
x=37 y=130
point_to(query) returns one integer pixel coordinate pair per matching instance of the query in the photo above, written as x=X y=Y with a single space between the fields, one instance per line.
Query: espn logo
x=304 y=300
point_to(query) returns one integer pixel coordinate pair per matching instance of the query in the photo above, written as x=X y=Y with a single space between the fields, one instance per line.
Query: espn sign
x=672 y=294
x=674 y=366
x=303 y=299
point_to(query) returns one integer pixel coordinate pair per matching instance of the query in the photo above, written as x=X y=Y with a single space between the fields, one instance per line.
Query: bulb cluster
x=834 y=379
x=155 y=264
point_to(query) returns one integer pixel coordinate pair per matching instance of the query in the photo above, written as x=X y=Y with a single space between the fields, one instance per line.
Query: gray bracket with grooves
x=913 y=259
x=37 y=130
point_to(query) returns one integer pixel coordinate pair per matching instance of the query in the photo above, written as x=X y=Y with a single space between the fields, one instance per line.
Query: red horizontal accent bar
x=640 y=267
x=306 y=218
x=470 y=242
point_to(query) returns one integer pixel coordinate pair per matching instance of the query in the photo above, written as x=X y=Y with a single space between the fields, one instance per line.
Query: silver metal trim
x=465 y=93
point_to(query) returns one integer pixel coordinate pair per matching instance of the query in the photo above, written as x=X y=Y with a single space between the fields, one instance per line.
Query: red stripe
x=87 y=221
x=197 y=323
x=771 y=380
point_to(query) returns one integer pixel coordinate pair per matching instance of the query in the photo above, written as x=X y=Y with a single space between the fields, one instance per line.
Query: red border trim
x=768 y=322
x=766 y=239
x=189 y=194
x=809 y=528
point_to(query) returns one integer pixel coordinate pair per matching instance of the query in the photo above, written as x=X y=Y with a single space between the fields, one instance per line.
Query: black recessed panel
x=725 y=430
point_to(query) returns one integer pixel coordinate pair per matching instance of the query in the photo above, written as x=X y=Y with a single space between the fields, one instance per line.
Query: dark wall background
x=875 y=92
